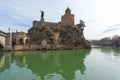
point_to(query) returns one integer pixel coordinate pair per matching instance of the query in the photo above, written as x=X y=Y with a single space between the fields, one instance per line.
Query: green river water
x=84 y=64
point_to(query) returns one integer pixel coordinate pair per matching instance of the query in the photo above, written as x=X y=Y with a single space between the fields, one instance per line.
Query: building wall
x=8 y=40
x=19 y=38
x=67 y=19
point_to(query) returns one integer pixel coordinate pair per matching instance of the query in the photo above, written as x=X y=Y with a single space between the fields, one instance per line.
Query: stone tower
x=67 y=19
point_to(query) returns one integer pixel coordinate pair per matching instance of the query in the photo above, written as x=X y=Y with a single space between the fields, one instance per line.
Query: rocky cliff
x=65 y=37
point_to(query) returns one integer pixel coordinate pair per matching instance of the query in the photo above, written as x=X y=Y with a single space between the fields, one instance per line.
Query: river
x=84 y=64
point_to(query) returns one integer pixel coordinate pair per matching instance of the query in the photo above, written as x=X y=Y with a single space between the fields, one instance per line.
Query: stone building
x=19 y=38
x=62 y=35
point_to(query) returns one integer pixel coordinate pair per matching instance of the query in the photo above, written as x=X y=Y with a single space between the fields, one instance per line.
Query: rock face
x=62 y=35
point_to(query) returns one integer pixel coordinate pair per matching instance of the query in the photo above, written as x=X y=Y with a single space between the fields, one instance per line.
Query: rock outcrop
x=62 y=35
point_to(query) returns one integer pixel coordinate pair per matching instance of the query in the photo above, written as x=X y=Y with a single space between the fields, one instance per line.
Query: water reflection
x=110 y=51
x=5 y=61
x=47 y=64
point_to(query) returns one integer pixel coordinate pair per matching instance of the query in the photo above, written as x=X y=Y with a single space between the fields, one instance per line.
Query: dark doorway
x=1 y=47
x=21 y=41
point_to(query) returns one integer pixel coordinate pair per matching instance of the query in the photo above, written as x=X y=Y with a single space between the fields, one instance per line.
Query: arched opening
x=21 y=41
x=1 y=46
x=26 y=41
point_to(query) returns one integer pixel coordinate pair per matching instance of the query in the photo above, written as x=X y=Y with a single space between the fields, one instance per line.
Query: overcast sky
x=102 y=17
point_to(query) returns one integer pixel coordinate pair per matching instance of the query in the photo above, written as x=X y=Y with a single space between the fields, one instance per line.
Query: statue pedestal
x=42 y=20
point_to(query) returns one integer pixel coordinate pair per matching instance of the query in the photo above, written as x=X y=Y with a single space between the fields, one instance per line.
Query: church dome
x=67 y=10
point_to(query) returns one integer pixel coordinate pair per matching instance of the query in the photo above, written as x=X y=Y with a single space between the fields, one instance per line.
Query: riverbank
x=35 y=47
x=40 y=49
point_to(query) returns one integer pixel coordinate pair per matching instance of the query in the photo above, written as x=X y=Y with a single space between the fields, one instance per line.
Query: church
x=62 y=35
